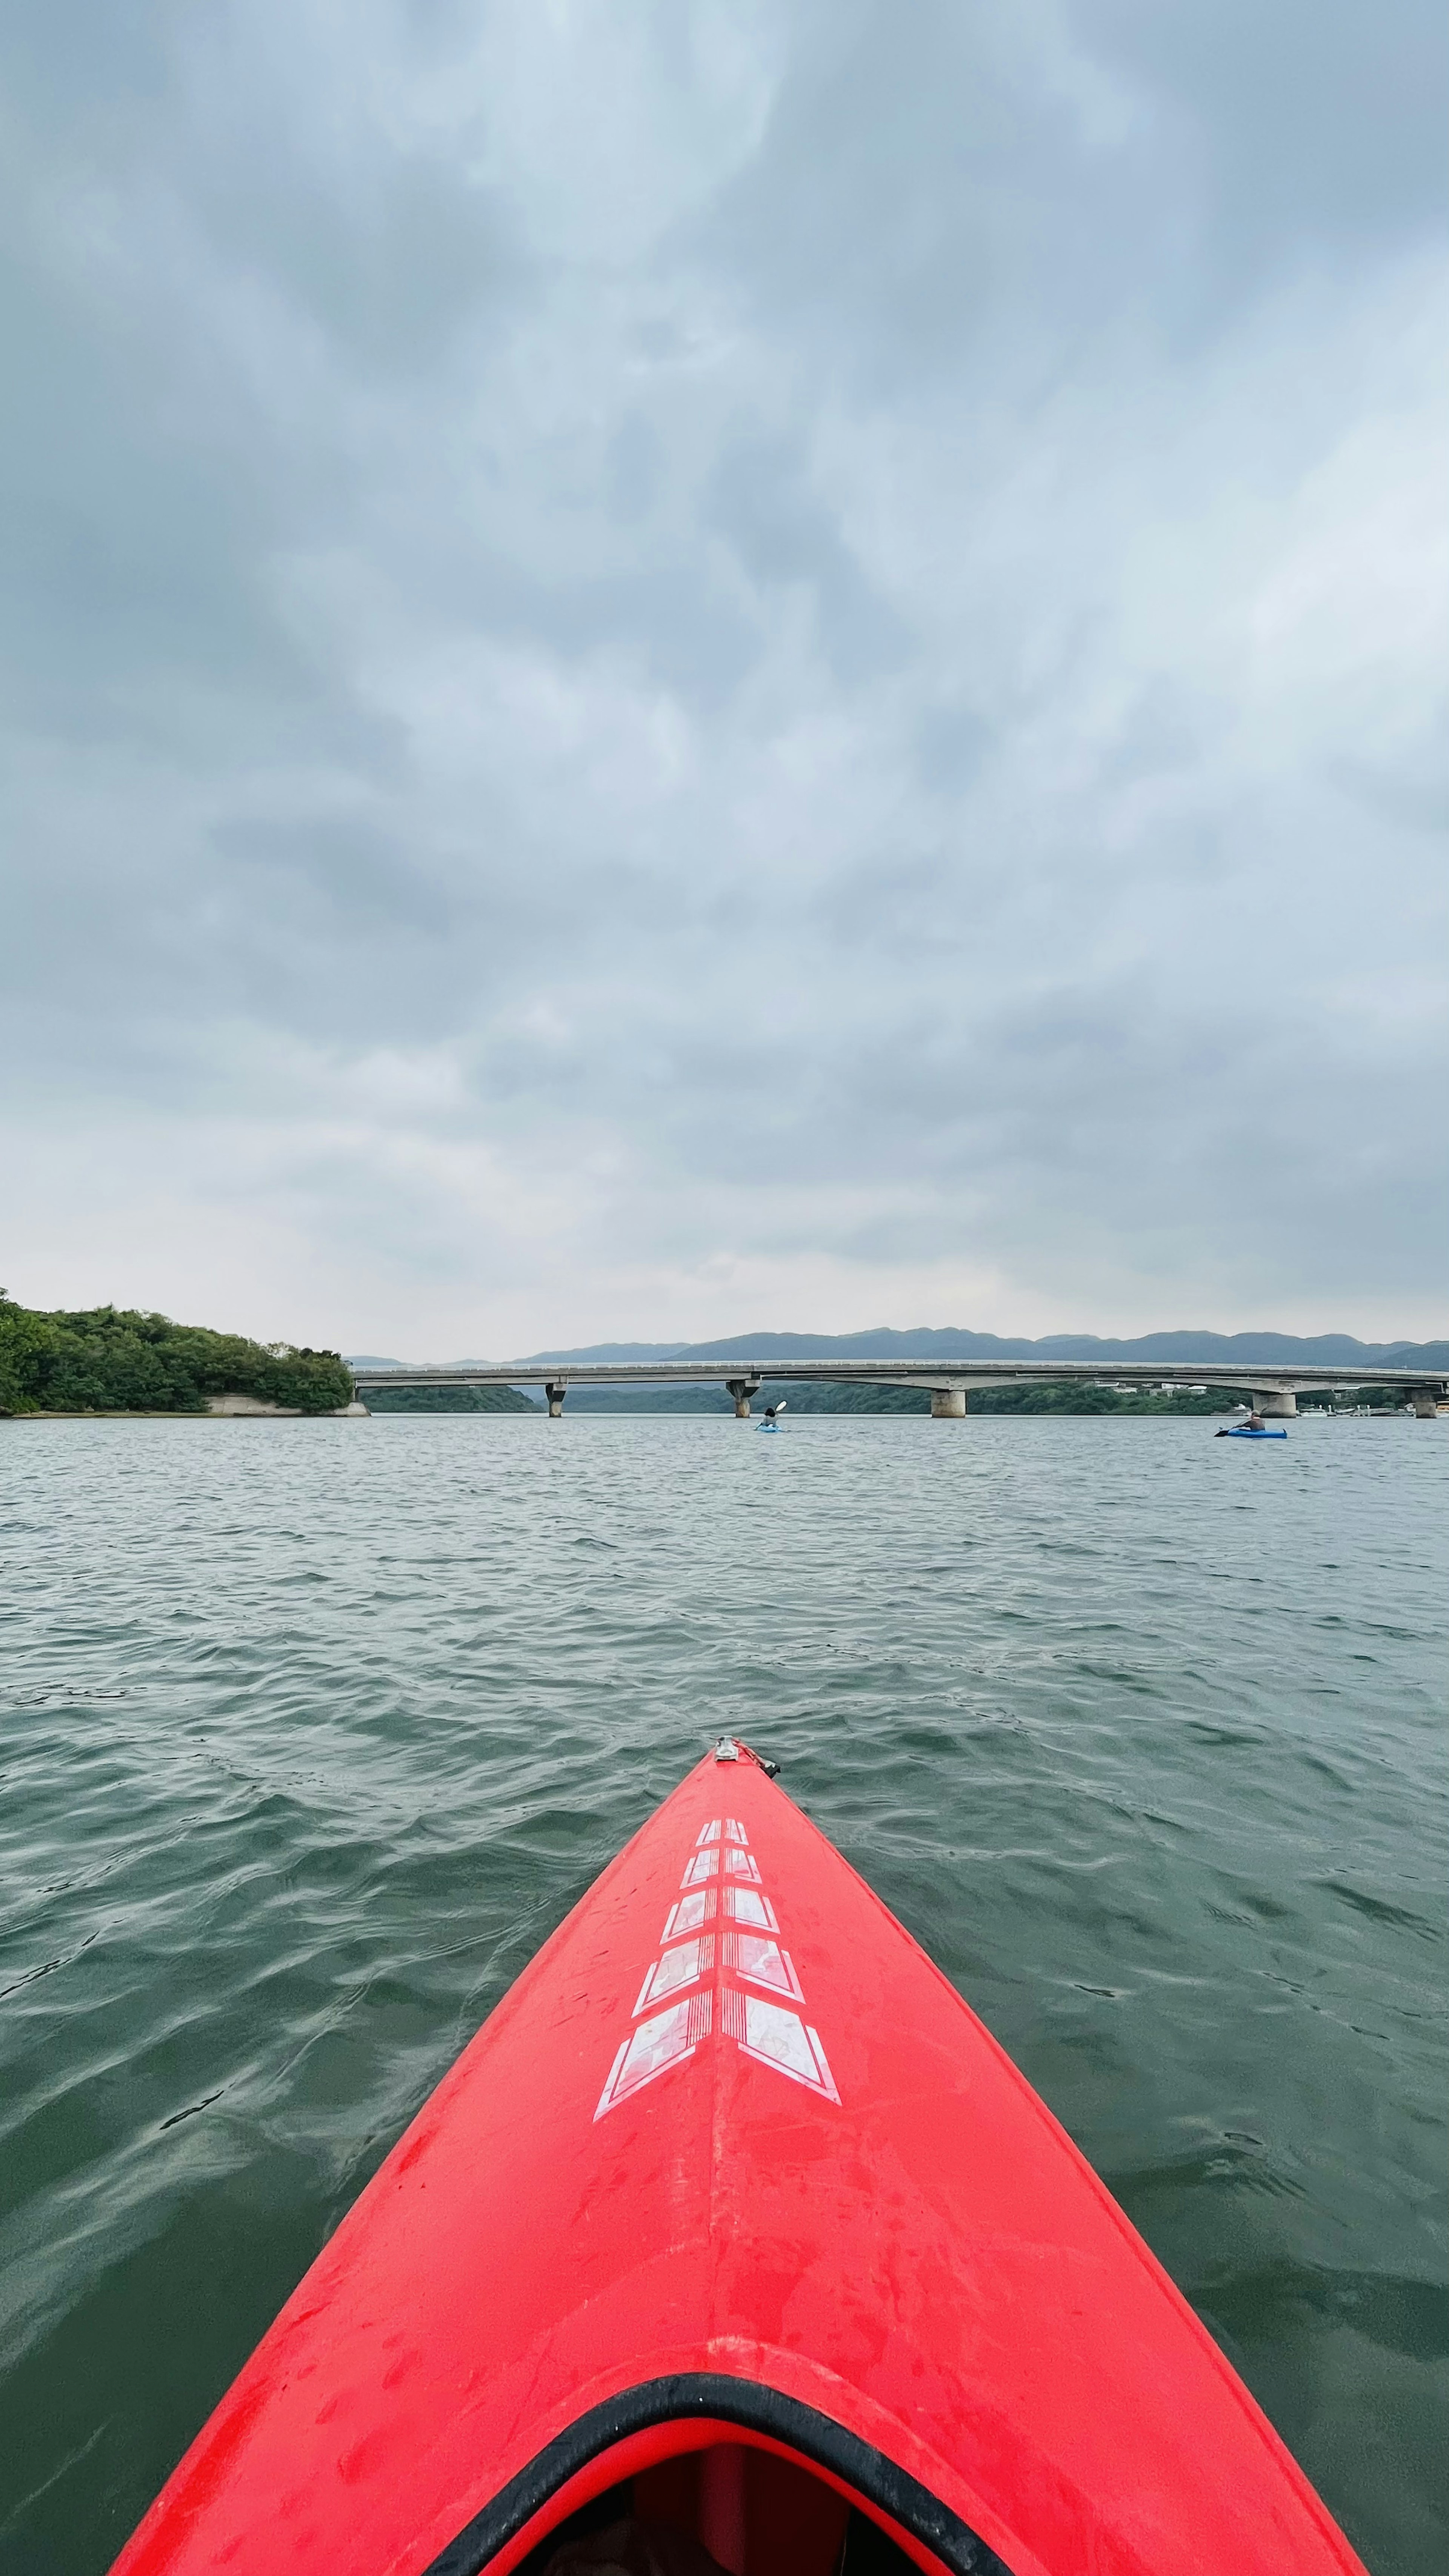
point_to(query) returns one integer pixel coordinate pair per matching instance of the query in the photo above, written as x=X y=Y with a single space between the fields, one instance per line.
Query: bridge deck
x=1269 y=1377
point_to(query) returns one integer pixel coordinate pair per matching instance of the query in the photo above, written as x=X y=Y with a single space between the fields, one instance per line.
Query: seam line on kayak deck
x=726 y=2400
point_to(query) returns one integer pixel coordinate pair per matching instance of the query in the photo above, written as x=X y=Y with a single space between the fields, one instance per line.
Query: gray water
x=314 y=1730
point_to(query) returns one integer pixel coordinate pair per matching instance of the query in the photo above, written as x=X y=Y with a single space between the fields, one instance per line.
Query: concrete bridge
x=948 y=1382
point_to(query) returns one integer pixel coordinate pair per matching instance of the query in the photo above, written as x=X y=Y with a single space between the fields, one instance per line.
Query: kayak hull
x=733 y=2170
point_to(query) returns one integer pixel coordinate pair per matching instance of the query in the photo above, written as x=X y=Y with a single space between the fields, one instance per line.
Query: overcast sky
x=682 y=665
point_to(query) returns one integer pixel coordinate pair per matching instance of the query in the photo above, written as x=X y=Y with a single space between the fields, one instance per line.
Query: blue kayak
x=1243 y=1432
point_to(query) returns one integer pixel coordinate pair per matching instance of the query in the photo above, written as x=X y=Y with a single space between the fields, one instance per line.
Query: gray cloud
x=681 y=666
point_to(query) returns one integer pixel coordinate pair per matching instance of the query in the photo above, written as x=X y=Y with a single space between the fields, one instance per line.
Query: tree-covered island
x=109 y=1359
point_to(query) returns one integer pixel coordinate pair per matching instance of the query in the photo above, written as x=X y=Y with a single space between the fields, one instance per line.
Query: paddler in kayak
x=1254 y=1422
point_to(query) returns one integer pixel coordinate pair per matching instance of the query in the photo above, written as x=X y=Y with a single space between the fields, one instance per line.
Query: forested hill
x=109 y=1360
x=450 y=1399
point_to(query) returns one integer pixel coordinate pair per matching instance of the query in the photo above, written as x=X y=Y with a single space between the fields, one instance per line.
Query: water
x=314 y=1730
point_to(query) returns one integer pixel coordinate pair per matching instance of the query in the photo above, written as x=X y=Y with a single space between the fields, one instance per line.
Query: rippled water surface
x=314 y=1730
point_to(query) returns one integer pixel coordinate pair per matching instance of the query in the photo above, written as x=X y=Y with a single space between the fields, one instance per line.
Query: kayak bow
x=734 y=2218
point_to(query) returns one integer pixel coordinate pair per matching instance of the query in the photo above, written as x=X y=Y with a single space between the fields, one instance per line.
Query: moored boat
x=733 y=2240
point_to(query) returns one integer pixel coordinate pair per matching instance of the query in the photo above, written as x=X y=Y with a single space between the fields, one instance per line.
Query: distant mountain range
x=1327 y=1350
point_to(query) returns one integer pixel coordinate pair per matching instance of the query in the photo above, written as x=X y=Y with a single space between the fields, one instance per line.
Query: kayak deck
x=734 y=2194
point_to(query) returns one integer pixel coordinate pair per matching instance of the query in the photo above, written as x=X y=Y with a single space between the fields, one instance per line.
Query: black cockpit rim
x=718 y=2398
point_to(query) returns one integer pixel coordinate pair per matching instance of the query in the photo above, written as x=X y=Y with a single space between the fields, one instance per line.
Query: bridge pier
x=1426 y=1402
x=742 y=1388
x=556 y=1393
x=1274 y=1400
x=948 y=1404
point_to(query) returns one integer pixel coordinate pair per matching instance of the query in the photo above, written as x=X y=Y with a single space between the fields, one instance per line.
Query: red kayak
x=734 y=2241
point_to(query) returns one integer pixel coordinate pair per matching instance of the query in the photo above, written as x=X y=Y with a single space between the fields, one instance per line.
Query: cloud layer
x=674 y=667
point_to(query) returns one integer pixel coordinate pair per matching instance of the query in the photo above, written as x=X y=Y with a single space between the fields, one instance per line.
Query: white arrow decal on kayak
x=656 y=2046
x=762 y=2029
x=681 y=1967
x=747 y=1905
x=690 y=1912
x=764 y=1963
x=777 y=2039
